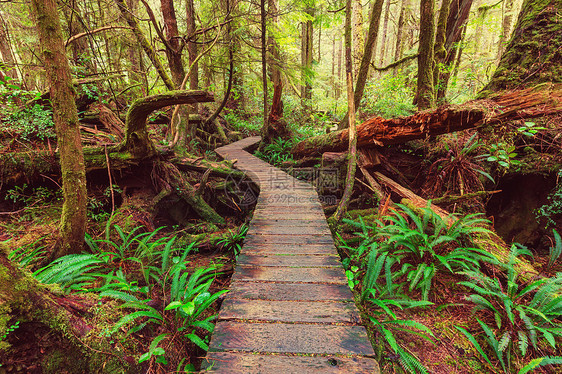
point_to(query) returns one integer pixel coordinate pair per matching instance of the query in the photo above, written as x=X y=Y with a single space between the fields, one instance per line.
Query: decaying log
x=171 y=179
x=136 y=135
x=541 y=100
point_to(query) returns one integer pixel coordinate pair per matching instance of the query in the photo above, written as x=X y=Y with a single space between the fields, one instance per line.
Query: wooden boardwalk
x=290 y=309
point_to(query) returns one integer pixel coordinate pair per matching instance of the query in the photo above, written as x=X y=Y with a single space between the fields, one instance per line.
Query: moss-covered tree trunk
x=425 y=94
x=534 y=51
x=352 y=143
x=73 y=218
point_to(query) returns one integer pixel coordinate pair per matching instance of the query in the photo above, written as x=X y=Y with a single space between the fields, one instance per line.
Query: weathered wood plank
x=289 y=274
x=290 y=338
x=289 y=291
x=280 y=248
x=289 y=311
x=288 y=239
x=288 y=260
x=250 y=363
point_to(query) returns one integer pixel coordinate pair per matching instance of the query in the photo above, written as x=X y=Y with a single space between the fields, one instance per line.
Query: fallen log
x=540 y=100
x=136 y=135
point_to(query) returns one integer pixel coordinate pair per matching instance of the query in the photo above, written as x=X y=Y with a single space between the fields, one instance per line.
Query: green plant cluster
x=396 y=262
x=150 y=276
x=277 y=152
x=29 y=123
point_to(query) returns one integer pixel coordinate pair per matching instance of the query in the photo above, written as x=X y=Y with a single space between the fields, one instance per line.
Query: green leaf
x=198 y=341
x=542 y=361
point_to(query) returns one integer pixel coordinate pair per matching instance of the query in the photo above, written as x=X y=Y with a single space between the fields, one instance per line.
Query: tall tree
x=73 y=218
x=455 y=30
x=425 y=94
x=352 y=144
x=307 y=54
x=358 y=37
x=404 y=9
x=372 y=34
x=191 y=44
x=384 y=32
x=7 y=61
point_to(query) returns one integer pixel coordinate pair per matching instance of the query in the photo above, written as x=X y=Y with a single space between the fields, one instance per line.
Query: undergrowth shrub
x=402 y=252
x=151 y=277
x=518 y=319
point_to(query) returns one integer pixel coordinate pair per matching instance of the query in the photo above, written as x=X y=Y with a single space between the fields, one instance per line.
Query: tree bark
x=8 y=62
x=357 y=32
x=366 y=59
x=532 y=102
x=192 y=45
x=384 y=33
x=73 y=217
x=534 y=52
x=440 y=38
x=425 y=94
x=352 y=139
x=145 y=43
x=455 y=31
x=136 y=135
x=400 y=31
x=306 y=56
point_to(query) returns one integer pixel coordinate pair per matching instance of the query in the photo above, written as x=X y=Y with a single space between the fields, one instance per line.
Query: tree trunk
x=73 y=218
x=440 y=37
x=145 y=43
x=384 y=32
x=398 y=50
x=534 y=52
x=357 y=32
x=532 y=102
x=136 y=135
x=366 y=60
x=352 y=140
x=192 y=45
x=8 y=62
x=276 y=126
x=306 y=56
x=456 y=27
x=425 y=94
x=263 y=51
x=173 y=48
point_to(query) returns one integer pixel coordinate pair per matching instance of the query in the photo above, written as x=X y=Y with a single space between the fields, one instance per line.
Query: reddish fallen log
x=541 y=100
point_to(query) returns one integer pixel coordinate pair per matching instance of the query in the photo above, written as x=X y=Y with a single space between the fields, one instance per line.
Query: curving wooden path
x=290 y=309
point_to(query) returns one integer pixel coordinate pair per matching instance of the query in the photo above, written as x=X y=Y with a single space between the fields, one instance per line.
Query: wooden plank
x=291 y=249
x=296 y=214
x=288 y=222
x=250 y=363
x=289 y=274
x=288 y=239
x=289 y=311
x=289 y=291
x=290 y=338
x=289 y=230
x=288 y=260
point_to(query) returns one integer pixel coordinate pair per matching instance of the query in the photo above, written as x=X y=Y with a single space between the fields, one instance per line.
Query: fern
x=68 y=270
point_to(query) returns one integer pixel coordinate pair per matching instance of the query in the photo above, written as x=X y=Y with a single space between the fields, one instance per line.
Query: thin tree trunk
x=425 y=94
x=264 y=62
x=398 y=50
x=306 y=57
x=73 y=218
x=366 y=60
x=145 y=43
x=352 y=147
x=506 y=26
x=8 y=62
x=192 y=45
x=384 y=33
x=456 y=29
x=357 y=33
x=440 y=38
